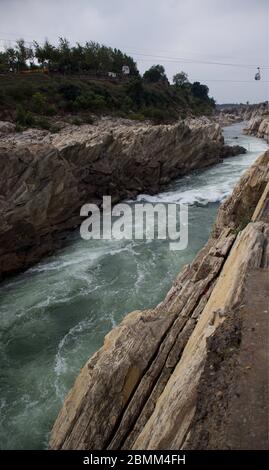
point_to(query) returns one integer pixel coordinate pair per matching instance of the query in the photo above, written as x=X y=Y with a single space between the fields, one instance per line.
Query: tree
x=64 y=53
x=120 y=59
x=23 y=54
x=39 y=53
x=155 y=74
x=63 y=58
x=91 y=56
x=135 y=91
x=200 y=91
x=12 y=58
x=77 y=57
x=45 y=54
x=4 y=62
x=180 y=78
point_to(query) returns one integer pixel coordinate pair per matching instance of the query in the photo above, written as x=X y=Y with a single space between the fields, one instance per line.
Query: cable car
x=258 y=74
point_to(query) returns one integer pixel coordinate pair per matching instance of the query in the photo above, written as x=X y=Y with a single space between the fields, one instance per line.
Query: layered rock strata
x=45 y=178
x=258 y=124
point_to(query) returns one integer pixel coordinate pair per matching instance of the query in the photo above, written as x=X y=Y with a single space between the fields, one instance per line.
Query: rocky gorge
x=191 y=372
x=45 y=178
x=187 y=374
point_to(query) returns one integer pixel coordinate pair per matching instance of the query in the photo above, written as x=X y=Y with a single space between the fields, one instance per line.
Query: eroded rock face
x=225 y=118
x=258 y=124
x=46 y=178
x=148 y=386
x=259 y=127
x=237 y=210
x=6 y=128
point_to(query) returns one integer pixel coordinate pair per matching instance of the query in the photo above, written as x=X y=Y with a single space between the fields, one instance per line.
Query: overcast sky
x=161 y=31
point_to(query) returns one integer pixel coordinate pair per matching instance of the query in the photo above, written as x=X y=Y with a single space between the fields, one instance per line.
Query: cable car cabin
x=258 y=74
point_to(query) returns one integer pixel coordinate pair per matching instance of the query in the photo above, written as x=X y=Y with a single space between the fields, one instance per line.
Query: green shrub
x=172 y=114
x=88 y=119
x=99 y=103
x=69 y=91
x=155 y=74
x=43 y=123
x=136 y=91
x=51 y=110
x=20 y=91
x=89 y=101
x=127 y=103
x=38 y=102
x=157 y=115
x=3 y=67
x=24 y=118
x=137 y=117
x=135 y=98
x=18 y=128
x=54 y=128
x=120 y=113
x=77 y=121
x=70 y=106
x=84 y=101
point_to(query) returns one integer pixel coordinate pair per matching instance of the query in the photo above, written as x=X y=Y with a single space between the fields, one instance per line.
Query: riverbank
x=186 y=374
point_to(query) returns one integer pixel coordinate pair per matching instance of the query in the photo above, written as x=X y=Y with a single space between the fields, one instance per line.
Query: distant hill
x=39 y=86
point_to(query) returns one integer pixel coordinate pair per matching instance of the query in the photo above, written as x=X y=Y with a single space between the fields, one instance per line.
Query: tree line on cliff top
x=150 y=96
x=92 y=57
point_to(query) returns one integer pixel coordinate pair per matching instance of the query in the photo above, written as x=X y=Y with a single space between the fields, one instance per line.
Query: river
x=55 y=315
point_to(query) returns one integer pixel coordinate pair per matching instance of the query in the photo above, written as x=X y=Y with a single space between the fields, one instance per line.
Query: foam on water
x=213 y=184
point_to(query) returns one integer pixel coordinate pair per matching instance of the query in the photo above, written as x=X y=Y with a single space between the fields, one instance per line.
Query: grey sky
x=157 y=31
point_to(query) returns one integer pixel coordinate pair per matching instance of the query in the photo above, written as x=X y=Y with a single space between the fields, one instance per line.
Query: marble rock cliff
x=258 y=124
x=45 y=178
x=191 y=373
